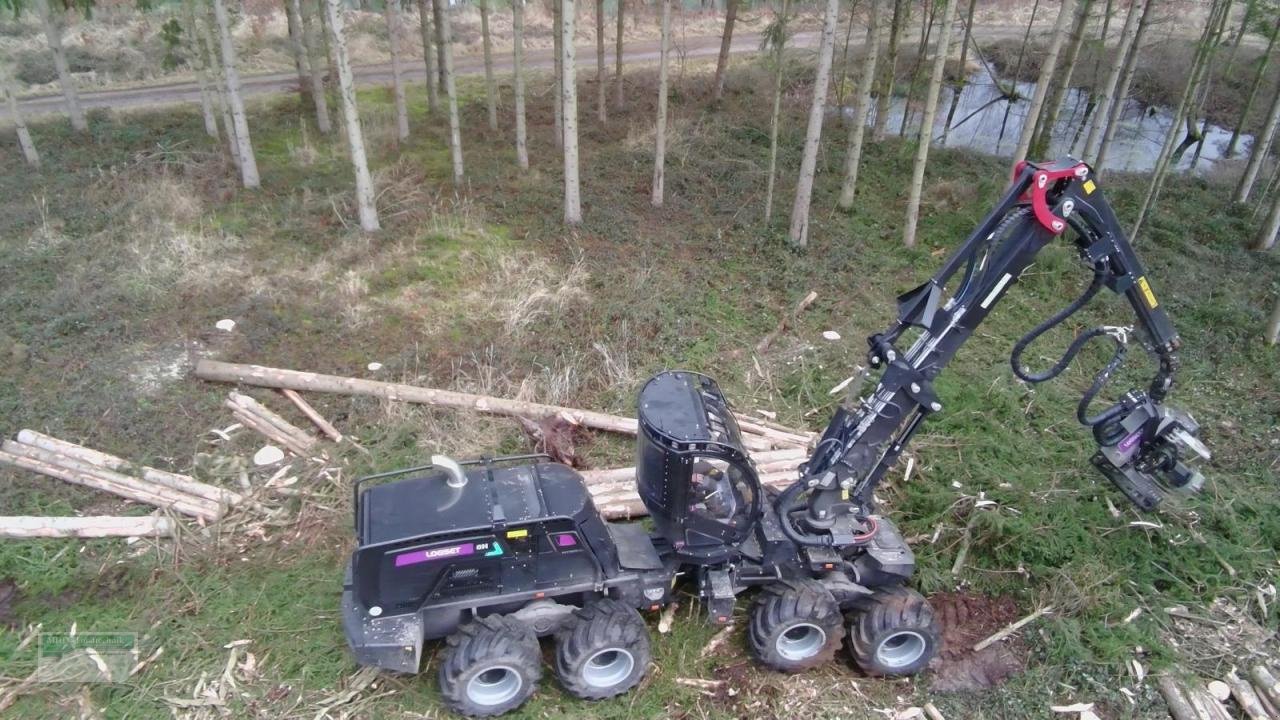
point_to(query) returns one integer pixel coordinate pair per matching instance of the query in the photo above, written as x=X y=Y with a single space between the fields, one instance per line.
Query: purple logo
x=1127 y=444
x=439 y=553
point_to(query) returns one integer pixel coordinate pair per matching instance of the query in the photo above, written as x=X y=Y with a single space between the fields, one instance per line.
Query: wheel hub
x=800 y=642
x=901 y=649
x=494 y=686
x=608 y=667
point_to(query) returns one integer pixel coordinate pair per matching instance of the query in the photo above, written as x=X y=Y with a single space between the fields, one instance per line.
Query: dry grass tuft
x=526 y=288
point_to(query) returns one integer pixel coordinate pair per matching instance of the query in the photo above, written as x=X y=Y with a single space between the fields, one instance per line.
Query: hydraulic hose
x=1015 y=357
x=784 y=505
x=1101 y=379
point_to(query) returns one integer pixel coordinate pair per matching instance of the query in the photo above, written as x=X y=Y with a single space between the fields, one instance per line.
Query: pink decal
x=440 y=553
x=1127 y=444
x=566 y=540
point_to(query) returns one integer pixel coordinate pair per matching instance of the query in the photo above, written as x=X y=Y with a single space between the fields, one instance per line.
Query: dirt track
x=380 y=74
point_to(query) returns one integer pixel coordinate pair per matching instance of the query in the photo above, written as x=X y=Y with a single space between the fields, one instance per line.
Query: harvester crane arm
x=1142 y=442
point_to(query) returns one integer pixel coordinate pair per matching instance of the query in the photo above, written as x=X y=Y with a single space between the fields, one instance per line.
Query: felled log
x=767 y=461
x=182 y=483
x=1246 y=698
x=305 y=407
x=623 y=502
x=269 y=424
x=316 y=382
x=1267 y=687
x=75 y=471
x=84 y=527
x=1180 y=707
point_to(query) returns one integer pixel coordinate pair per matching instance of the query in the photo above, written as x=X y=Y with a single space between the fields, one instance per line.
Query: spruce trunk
x=569 y=99
x=199 y=62
x=517 y=61
x=557 y=47
x=618 y=96
x=1253 y=90
x=351 y=117
x=1166 y=158
x=889 y=73
x=726 y=41
x=1258 y=153
x=1040 y=146
x=53 y=34
x=1107 y=103
x=1048 y=67
x=926 y=128
x=861 y=106
x=602 y=85
x=1126 y=80
x=1266 y=238
x=490 y=87
x=315 y=60
x=428 y=54
x=799 y=234
x=778 y=50
x=391 y=13
x=24 y=136
x=240 y=121
x=445 y=36
x=293 y=23
x=660 y=125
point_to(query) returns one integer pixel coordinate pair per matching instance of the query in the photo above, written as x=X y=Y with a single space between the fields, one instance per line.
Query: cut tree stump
x=84 y=527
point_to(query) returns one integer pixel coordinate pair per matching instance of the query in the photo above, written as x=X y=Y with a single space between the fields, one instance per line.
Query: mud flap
x=391 y=643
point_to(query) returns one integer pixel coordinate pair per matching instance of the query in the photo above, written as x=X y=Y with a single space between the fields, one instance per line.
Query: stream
x=984 y=121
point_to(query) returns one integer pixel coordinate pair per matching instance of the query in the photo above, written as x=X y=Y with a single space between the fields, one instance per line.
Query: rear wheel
x=894 y=633
x=603 y=651
x=795 y=625
x=492 y=665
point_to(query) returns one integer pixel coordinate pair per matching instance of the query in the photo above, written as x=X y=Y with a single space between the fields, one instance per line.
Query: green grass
x=118 y=258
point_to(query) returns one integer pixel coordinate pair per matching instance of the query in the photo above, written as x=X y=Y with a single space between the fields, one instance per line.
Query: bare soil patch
x=967 y=619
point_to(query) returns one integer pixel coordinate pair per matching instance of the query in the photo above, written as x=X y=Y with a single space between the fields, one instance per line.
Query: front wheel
x=492 y=665
x=795 y=625
x=603 y=651
x=894 y=633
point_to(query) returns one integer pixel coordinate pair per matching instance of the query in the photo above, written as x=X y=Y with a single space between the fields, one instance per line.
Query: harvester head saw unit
x=494 y=554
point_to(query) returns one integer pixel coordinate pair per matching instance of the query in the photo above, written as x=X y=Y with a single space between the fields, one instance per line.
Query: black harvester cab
x=449 y=541
x=693 y=474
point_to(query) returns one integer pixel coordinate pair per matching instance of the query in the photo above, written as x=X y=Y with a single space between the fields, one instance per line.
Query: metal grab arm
x=1043 y=201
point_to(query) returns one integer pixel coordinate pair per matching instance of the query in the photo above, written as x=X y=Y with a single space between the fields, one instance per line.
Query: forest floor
x=117 y=260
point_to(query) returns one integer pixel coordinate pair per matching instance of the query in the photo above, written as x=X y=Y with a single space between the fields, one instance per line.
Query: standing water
x=985 y=121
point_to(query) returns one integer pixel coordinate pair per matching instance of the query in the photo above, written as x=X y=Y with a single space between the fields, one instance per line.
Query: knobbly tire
x=492 y=665
x=894 y=633
x=602 y=651
x=795 y=625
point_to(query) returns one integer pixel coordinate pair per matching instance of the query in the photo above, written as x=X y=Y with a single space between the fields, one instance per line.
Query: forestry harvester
x=494 y=554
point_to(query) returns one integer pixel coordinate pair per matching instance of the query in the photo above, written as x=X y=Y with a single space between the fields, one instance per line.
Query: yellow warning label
x=513 y=534
x=844 y=493
x=1149 y=296
x=1089 y=187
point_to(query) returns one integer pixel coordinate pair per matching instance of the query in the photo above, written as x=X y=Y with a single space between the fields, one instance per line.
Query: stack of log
x=1257 y=697
x=269 y=424
x=758 y=434
x=615 y=496
x=776 y=449
x=77 y=464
